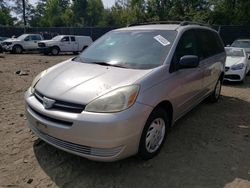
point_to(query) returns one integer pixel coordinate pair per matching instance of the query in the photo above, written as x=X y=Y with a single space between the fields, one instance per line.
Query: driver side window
x=27 y=38
x=187 y=46
x=65 y=39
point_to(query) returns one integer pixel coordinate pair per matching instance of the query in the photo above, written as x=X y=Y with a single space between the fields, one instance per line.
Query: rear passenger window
x=73 y=39
x=209 y=42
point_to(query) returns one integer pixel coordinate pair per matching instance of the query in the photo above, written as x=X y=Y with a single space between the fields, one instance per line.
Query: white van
x=64 y=43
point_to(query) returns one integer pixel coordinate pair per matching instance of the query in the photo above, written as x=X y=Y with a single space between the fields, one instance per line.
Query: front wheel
x=214 y=97
x=55 y=50
x=17 y=49
x=154 y=134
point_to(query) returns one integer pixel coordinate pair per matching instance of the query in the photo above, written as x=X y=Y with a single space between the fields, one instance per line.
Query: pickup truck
x=64 y=43
x=25 y=42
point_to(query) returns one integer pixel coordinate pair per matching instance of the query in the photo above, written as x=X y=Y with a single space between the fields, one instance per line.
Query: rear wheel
x=154 y=134
x=17 y=49
x=55 y=50
x=214 y=97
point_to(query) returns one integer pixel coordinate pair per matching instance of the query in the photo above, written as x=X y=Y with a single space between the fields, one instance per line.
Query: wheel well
x=166 y=105
x=17 y=45
x=56 y=47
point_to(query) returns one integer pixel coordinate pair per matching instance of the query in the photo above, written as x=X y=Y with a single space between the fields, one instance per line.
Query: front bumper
x=234 y=75
x=7 y=48
x=96 y=136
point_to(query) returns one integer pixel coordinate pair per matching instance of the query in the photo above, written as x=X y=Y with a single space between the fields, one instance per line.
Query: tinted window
x=209 y=42
x=186 y=46
x=65 y=39
x=139 y=49
x=241 y=44
x=35 y=37
x=72 y=38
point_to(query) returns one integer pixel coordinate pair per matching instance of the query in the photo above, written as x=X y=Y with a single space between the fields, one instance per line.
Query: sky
x=106 y=3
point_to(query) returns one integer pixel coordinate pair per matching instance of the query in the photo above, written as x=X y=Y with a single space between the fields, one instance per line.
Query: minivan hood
x=233 y=60
x=81 y=82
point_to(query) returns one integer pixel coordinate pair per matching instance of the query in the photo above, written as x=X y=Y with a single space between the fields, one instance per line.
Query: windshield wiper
x=107 y=64
x=103 y=63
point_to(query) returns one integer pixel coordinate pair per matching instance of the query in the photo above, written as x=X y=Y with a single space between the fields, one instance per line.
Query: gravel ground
x=208 y=148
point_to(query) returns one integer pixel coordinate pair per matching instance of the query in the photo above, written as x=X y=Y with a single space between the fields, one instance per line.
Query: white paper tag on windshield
x=162 y=40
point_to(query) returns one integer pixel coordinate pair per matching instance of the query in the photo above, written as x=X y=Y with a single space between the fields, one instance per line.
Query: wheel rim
x=217 y=89
x=54 y=51
x=18 y=50
x=155 y=135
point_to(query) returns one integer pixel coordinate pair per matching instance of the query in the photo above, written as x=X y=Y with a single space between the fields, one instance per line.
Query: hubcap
x=217 y=89
x=18 y=50
x=54 y=51
x=155 y=135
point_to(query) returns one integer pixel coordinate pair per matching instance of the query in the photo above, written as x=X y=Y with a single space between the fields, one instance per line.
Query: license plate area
x=42 y=127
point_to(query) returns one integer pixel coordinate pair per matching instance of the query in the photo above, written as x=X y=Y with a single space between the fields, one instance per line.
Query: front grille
x=232 y=77
x=53 y=120
x=227 y=68
x=86 y=150
x=62 y=105
x=41 y=45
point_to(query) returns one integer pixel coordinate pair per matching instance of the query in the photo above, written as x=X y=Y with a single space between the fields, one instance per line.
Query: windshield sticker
x=162 y=40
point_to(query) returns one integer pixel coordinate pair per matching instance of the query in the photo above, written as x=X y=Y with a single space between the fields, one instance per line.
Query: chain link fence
x=228 y=33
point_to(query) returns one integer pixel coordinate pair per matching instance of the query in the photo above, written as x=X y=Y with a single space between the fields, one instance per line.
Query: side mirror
x=188 y=61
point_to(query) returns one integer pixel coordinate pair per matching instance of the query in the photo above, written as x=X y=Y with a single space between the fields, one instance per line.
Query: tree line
x=79 y=13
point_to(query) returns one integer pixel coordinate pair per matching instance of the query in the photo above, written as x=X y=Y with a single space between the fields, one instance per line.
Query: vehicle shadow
x=209 y=147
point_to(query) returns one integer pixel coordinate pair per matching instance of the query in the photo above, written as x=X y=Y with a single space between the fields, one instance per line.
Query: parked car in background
x=237 y=64
x=65 y=43
x=242 y=43
x=25 y=42
x=121 y=95
x=1 y=41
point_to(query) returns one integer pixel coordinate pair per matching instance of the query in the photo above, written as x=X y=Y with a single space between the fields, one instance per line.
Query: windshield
x=22 y=37
x=241 y=44
x=141 y=49
x=57 y=38
x=234 y=52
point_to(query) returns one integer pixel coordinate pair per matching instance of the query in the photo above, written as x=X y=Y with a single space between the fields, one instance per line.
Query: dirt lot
x=208 y=148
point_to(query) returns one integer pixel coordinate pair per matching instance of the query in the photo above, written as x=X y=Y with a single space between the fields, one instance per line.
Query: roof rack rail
x=181 y=23
x=155 y=22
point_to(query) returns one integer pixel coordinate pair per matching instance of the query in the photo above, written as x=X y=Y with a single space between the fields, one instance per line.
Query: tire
x=55 y=50
x=158 y=121
x=244 y=79
x=17 y=49
x=214 y=97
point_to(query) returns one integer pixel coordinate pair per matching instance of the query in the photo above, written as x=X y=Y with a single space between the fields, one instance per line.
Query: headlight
x=238 y=66
x=36 y=79
x=114 y=101
x=8 y=43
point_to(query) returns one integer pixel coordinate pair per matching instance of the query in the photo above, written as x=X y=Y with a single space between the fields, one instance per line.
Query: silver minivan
x=123 y=93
